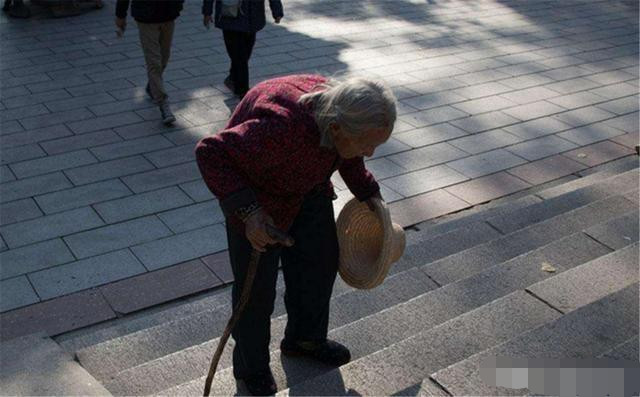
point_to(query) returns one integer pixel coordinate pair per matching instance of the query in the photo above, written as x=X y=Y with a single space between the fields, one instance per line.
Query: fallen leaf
x=582 y=155
x=547 y=267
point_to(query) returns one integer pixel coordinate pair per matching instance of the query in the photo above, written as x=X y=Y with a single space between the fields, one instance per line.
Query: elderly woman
x=272 y=164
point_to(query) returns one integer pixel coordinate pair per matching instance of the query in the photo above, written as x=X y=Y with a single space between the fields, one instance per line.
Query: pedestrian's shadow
x=297 y=370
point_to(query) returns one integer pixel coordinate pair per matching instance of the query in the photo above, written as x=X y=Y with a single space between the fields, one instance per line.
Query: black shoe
x=228 y=82
x=261 y=384
x=148 y=90
x=167 y=116
x=327 y=352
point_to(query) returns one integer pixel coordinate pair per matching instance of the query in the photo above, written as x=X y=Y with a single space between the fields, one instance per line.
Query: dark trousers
x=239 y=46
x=309 y=268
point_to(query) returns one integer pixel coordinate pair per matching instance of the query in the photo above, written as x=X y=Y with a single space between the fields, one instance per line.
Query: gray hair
x=357 y=105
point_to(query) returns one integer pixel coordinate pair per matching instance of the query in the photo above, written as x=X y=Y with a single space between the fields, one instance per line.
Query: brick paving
x=100 y=200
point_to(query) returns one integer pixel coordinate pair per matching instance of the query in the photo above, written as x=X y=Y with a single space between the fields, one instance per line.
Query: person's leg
x=242 y=72
x=232 y=42
x=166 y=37
x=150 y=41
x=310 y=267
x=252 y=332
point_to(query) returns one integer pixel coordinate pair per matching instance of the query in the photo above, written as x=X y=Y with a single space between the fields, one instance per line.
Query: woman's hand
x=256 y=230
x=370 y=203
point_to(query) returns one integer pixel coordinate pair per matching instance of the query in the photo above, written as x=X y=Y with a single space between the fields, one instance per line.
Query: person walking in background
x=239 y=21
x=156 y=20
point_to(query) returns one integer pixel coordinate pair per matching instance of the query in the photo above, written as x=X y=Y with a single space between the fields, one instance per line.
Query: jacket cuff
x=236 y=200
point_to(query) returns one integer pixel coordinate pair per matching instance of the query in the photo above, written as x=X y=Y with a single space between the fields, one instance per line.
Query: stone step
x=553 y=206
x=474 y=260
x=127 y=352
x=35 y=365
x=597 y=186
x=381 y=329
x=191 y=363
x=589 y=331
x=85 y=337
x=589 y=282
x=112 y=356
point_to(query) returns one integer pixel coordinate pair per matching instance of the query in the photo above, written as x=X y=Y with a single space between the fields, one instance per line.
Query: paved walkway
x=103 y=210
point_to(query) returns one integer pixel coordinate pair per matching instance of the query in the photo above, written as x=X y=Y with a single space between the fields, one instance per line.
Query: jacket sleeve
x=228 y=160
x=276 y=9
x=359 y=181
x=122 y=6
x=207 y=7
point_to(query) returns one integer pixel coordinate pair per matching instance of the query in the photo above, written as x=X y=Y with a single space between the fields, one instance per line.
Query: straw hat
x=369 y=243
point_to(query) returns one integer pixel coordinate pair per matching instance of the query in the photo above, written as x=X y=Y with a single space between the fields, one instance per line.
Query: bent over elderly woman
x=272 y=164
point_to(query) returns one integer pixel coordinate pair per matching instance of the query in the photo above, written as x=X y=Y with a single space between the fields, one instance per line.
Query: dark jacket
x=150 y=11
x=251 y=17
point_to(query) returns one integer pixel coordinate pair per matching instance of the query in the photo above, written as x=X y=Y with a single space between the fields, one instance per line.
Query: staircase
x=470 y=285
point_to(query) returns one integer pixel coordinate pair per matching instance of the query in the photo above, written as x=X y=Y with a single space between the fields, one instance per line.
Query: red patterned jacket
x=270 y=152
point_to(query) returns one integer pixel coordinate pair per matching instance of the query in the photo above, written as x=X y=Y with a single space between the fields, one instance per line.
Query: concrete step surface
x=35 y=365
x=377 y=331
x=589 y=331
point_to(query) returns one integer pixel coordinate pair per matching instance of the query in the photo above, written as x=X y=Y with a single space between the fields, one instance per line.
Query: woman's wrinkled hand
x=370 y=202
x=256 y=231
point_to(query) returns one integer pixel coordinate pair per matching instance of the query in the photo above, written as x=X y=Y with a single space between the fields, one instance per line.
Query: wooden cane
x=281 y=238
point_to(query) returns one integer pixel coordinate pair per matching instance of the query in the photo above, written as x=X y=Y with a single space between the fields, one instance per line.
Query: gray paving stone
x=80 y=142
x=588 y=134
x=433 y=100
x=182 y=247
x=35 y=136
x=529 y=95
x=485 y=141
x=108 y=169
x=391 y=146
x=627 y=123
x=103 y=109
x=49 y=164
x=131 y=147
x=34 y=257
x=60 y=105
x=82 y=196
x=615 y=91
x=487 y=188
x=16 y=292
x=541 y=147
x=381 y=168
x=34 y=99
x=84 y=274
x=586 y=332
x=621 y=106
x=68 y=82
x=104 y=122
x=483 y=122
x=484 y=105
x=547 y=169
x=162 y=178
x=10 y=127
x=566 y=73
x=24 y=188
x=625 y=351
x=425 y=180
x=89 y=89
x=618 y=232
x=193 y=217
x=526 y=81
x=537 y=128
x=56 y=118
x=434 y=116
x=599 y=153
x=115 y=237
x=533 y=110
x=50 y=226
x=481 y=90
x=427 y=156
x=21 y=153
x=6 y=175
x=142 y=204
x=486 y=163
x=430 y=135
x=197 y=190
x=572 y=85
x=172 y=156
x=583 y=116
x=611 y=77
